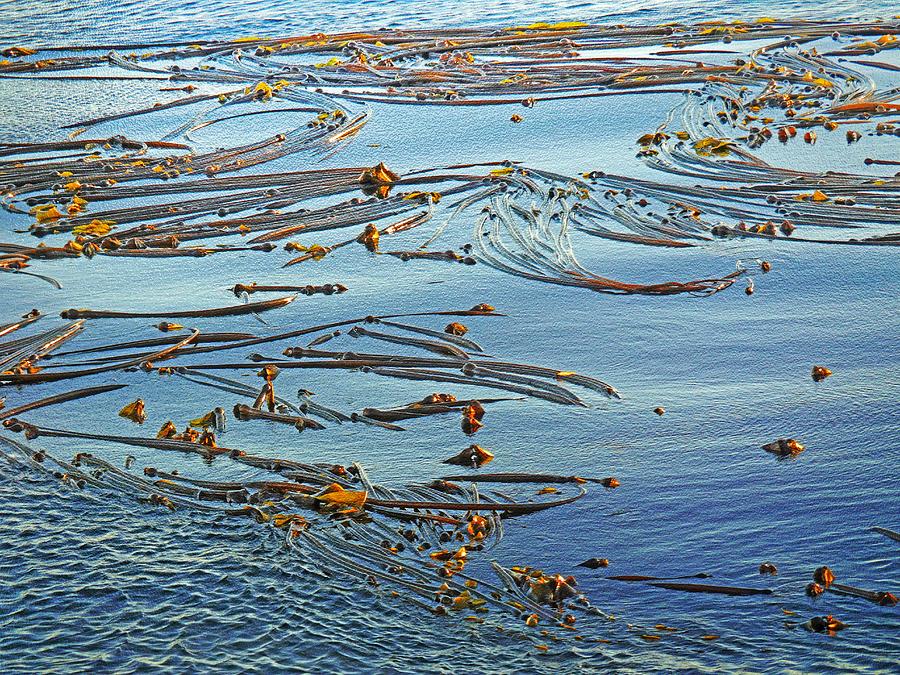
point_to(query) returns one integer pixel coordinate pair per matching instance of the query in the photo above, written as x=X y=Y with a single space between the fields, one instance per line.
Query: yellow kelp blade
x=353 y=498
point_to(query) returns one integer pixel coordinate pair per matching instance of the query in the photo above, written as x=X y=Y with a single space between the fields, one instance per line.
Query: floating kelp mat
x=242 y=157
x=774 y=80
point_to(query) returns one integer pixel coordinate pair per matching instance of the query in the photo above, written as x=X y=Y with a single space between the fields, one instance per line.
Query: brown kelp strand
x=478 y=310
x=24 y=354
x=709 y=588
x=310 y=289
x=359 y=360
x=521 y=478
x=155 y=342
x=244 y=389
x=422 y=374
x=420 y=369
x=883 y=598
x=245 y=413
x=468 y=506
x=38 y=377
x=26 y=320
x=732 y=105
x=58 y=398
x=434 y=404
x=493 y=374
x=459 y=341
x=890 y=534
x=641 y=577
x=32 y=431
x=234 y=310
x=473 y=370
x=536 y=244
x=395 y=540
x=429 y=345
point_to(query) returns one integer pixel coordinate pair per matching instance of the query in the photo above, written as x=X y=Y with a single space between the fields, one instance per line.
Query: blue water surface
x=115 y=586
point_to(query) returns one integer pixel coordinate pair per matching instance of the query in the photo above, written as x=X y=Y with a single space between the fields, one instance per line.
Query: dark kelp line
x=27 y=363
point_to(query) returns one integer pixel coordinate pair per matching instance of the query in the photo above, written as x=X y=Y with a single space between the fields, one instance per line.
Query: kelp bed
x=95 y=194
x=800 y=79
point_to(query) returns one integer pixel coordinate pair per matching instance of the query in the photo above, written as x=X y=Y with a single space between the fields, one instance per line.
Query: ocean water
x=74 y=22
x=115 y=586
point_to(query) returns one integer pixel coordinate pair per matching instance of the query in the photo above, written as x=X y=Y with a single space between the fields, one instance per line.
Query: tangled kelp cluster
x=417 y=541
x=795 y=80
x=415 y=538
x=99 y=194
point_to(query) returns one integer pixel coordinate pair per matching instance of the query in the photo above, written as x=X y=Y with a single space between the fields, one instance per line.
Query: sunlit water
x=117 y=586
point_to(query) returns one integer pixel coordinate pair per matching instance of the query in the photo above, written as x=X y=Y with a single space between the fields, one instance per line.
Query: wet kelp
x=96 y=194
x=416 y=539
x=796 y=78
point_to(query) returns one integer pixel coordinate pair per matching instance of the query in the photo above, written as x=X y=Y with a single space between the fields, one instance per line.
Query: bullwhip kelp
x=796 y=77
x=166 y=182
x=426 y=542
x=416 y=540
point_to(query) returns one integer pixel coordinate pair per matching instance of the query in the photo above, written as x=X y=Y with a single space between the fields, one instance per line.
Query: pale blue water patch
x=115 y=586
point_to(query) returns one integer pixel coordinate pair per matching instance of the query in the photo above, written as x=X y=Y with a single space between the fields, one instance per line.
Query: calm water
x=115 y=586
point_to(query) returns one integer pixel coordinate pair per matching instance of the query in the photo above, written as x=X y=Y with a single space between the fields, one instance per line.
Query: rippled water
x=78 y=22
x=114 y=586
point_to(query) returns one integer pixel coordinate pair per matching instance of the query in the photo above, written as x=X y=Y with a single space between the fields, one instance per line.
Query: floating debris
x=472 y=415
x=474 y=456
x=824 y=624
x=134 y=412
x=784 y=447
x=824 y=576
x=819 y=373
x=594 y=563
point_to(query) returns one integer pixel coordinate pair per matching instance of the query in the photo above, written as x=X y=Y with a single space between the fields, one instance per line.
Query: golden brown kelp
x=155 y=342
x=451 y=67
x=26 y=320
x=23 y=355
x=409 y=558
x=245 y=413
x=433 y=404
x=32 y=431
x=720 y=117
